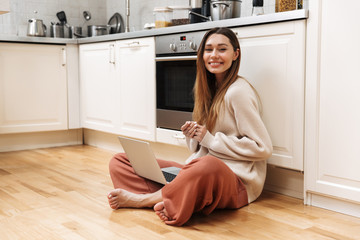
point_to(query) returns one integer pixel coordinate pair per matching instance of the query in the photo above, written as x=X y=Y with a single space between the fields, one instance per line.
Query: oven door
x=175 y=78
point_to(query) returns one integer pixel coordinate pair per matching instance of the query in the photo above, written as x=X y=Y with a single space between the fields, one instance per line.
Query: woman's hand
x=200 y=133
x=193 y=130
x=189 y=129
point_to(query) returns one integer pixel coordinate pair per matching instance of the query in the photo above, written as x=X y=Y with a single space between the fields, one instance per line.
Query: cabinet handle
x=134 y=43
x=63 y=53
x=176 y=136
x=112 y=54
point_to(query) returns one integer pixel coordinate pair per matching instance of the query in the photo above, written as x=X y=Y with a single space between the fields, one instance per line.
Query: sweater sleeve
x=249 y=140
x=193 y=145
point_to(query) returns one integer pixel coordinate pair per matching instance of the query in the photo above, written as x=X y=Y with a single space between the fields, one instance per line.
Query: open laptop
x=144 y=162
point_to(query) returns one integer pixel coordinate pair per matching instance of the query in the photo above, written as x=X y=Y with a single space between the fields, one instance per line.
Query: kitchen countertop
x=233 y=22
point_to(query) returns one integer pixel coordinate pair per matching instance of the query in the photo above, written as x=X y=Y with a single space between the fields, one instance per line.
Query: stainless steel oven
x=175 y=77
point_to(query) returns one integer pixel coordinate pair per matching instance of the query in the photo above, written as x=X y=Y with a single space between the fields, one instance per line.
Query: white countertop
x=233 y=22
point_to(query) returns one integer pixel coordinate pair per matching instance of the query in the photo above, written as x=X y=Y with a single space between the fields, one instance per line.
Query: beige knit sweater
x=239 y=138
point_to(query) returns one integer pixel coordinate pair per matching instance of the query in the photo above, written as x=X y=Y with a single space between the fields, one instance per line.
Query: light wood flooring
x=60 y=193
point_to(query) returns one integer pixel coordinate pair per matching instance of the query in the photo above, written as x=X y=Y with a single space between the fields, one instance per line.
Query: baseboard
x=333 y=204
x=33 y=140
x=285 y=181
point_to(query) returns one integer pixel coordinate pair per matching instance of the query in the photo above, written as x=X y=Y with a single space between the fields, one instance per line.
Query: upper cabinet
x=33 y=88
x=273 y=60
x=117 y=87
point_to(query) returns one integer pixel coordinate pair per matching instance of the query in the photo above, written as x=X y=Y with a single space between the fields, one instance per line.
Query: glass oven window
x=174 y=83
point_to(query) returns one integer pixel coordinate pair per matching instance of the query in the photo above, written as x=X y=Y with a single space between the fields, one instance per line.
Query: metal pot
x=73 y=31
x=56 y=31
x=36 y=28
x=225 y=9
x=98 y=30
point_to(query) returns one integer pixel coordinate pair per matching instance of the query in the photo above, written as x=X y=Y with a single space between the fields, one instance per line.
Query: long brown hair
x=208 y=96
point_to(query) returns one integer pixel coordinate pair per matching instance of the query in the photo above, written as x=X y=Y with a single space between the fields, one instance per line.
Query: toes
x=161 y=211
x=159 y=206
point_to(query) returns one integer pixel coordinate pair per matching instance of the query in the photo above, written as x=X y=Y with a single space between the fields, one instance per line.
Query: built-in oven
x=175 y=77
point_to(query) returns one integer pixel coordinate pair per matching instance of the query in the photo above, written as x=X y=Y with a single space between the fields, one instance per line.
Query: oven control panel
x=178 y=43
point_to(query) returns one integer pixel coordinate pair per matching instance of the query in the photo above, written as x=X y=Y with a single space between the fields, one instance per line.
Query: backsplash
x=141 y=12
x=15 y=22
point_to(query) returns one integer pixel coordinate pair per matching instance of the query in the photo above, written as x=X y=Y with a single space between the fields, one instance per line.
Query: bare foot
x=161 y=211
x=120 y=198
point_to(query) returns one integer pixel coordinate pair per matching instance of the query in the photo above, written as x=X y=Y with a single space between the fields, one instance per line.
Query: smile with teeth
x=215 y=63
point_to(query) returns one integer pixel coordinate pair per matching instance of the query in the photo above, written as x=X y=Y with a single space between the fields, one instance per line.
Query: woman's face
x=219 y=55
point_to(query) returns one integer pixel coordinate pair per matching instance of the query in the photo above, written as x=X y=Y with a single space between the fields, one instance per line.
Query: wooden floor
x=60 y=193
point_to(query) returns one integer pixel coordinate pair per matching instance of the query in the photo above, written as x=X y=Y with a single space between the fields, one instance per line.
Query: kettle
x=36 y=28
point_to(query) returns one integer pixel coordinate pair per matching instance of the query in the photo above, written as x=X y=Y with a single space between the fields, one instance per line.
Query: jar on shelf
x=180 y=15
x=163 y=17
x=285 y=5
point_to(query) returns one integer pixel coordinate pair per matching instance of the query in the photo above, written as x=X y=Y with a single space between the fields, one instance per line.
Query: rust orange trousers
x=203 y=185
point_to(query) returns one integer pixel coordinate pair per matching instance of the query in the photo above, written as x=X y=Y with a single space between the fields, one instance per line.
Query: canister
x=180 y=15
x=163 y=17
x=285 y=5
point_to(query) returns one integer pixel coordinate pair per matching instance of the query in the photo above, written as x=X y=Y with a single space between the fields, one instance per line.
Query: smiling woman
x=228 y=139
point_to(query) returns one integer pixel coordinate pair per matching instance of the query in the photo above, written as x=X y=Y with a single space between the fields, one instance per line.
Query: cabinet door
x=332 y=110
x=273 y=60
x=33 y=93
x=98 y=87
x=136 y=66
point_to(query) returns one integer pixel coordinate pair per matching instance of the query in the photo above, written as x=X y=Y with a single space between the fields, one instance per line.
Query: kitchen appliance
x=36 y=28
x=175 y=77
x=200 y=11
x=196 y=6
x=205 y=9
x=225 y=9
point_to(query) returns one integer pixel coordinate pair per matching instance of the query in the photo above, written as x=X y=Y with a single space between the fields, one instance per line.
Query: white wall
x=141 y=12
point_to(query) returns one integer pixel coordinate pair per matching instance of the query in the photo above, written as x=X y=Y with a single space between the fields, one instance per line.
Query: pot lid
x=116 y=23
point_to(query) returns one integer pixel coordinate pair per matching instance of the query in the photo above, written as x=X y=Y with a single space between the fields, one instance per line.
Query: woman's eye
x=208 y=49
x=222 y=49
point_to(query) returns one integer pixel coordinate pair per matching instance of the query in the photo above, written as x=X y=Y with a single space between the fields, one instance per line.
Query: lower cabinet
x=332 y=178
x=33 y=88
x=273 y=60
x=117 y=87
x=136 y=67
x=99 y=87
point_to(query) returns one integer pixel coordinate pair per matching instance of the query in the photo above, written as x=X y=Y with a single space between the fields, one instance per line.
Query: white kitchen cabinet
x=332 y=136
x=99 y=87
x=273 y=60
x=135 y=61
x=33 y=88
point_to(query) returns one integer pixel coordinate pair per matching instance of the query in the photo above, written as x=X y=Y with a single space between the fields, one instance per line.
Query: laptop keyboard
x=168 y=176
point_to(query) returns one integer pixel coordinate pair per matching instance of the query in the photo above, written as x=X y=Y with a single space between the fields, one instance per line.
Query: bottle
x=258 y=7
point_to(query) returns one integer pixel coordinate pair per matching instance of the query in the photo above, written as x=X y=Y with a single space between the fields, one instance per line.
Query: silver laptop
x=144 y=162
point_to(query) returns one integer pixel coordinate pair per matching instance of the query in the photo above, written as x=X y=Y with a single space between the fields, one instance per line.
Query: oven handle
x=176 y=58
